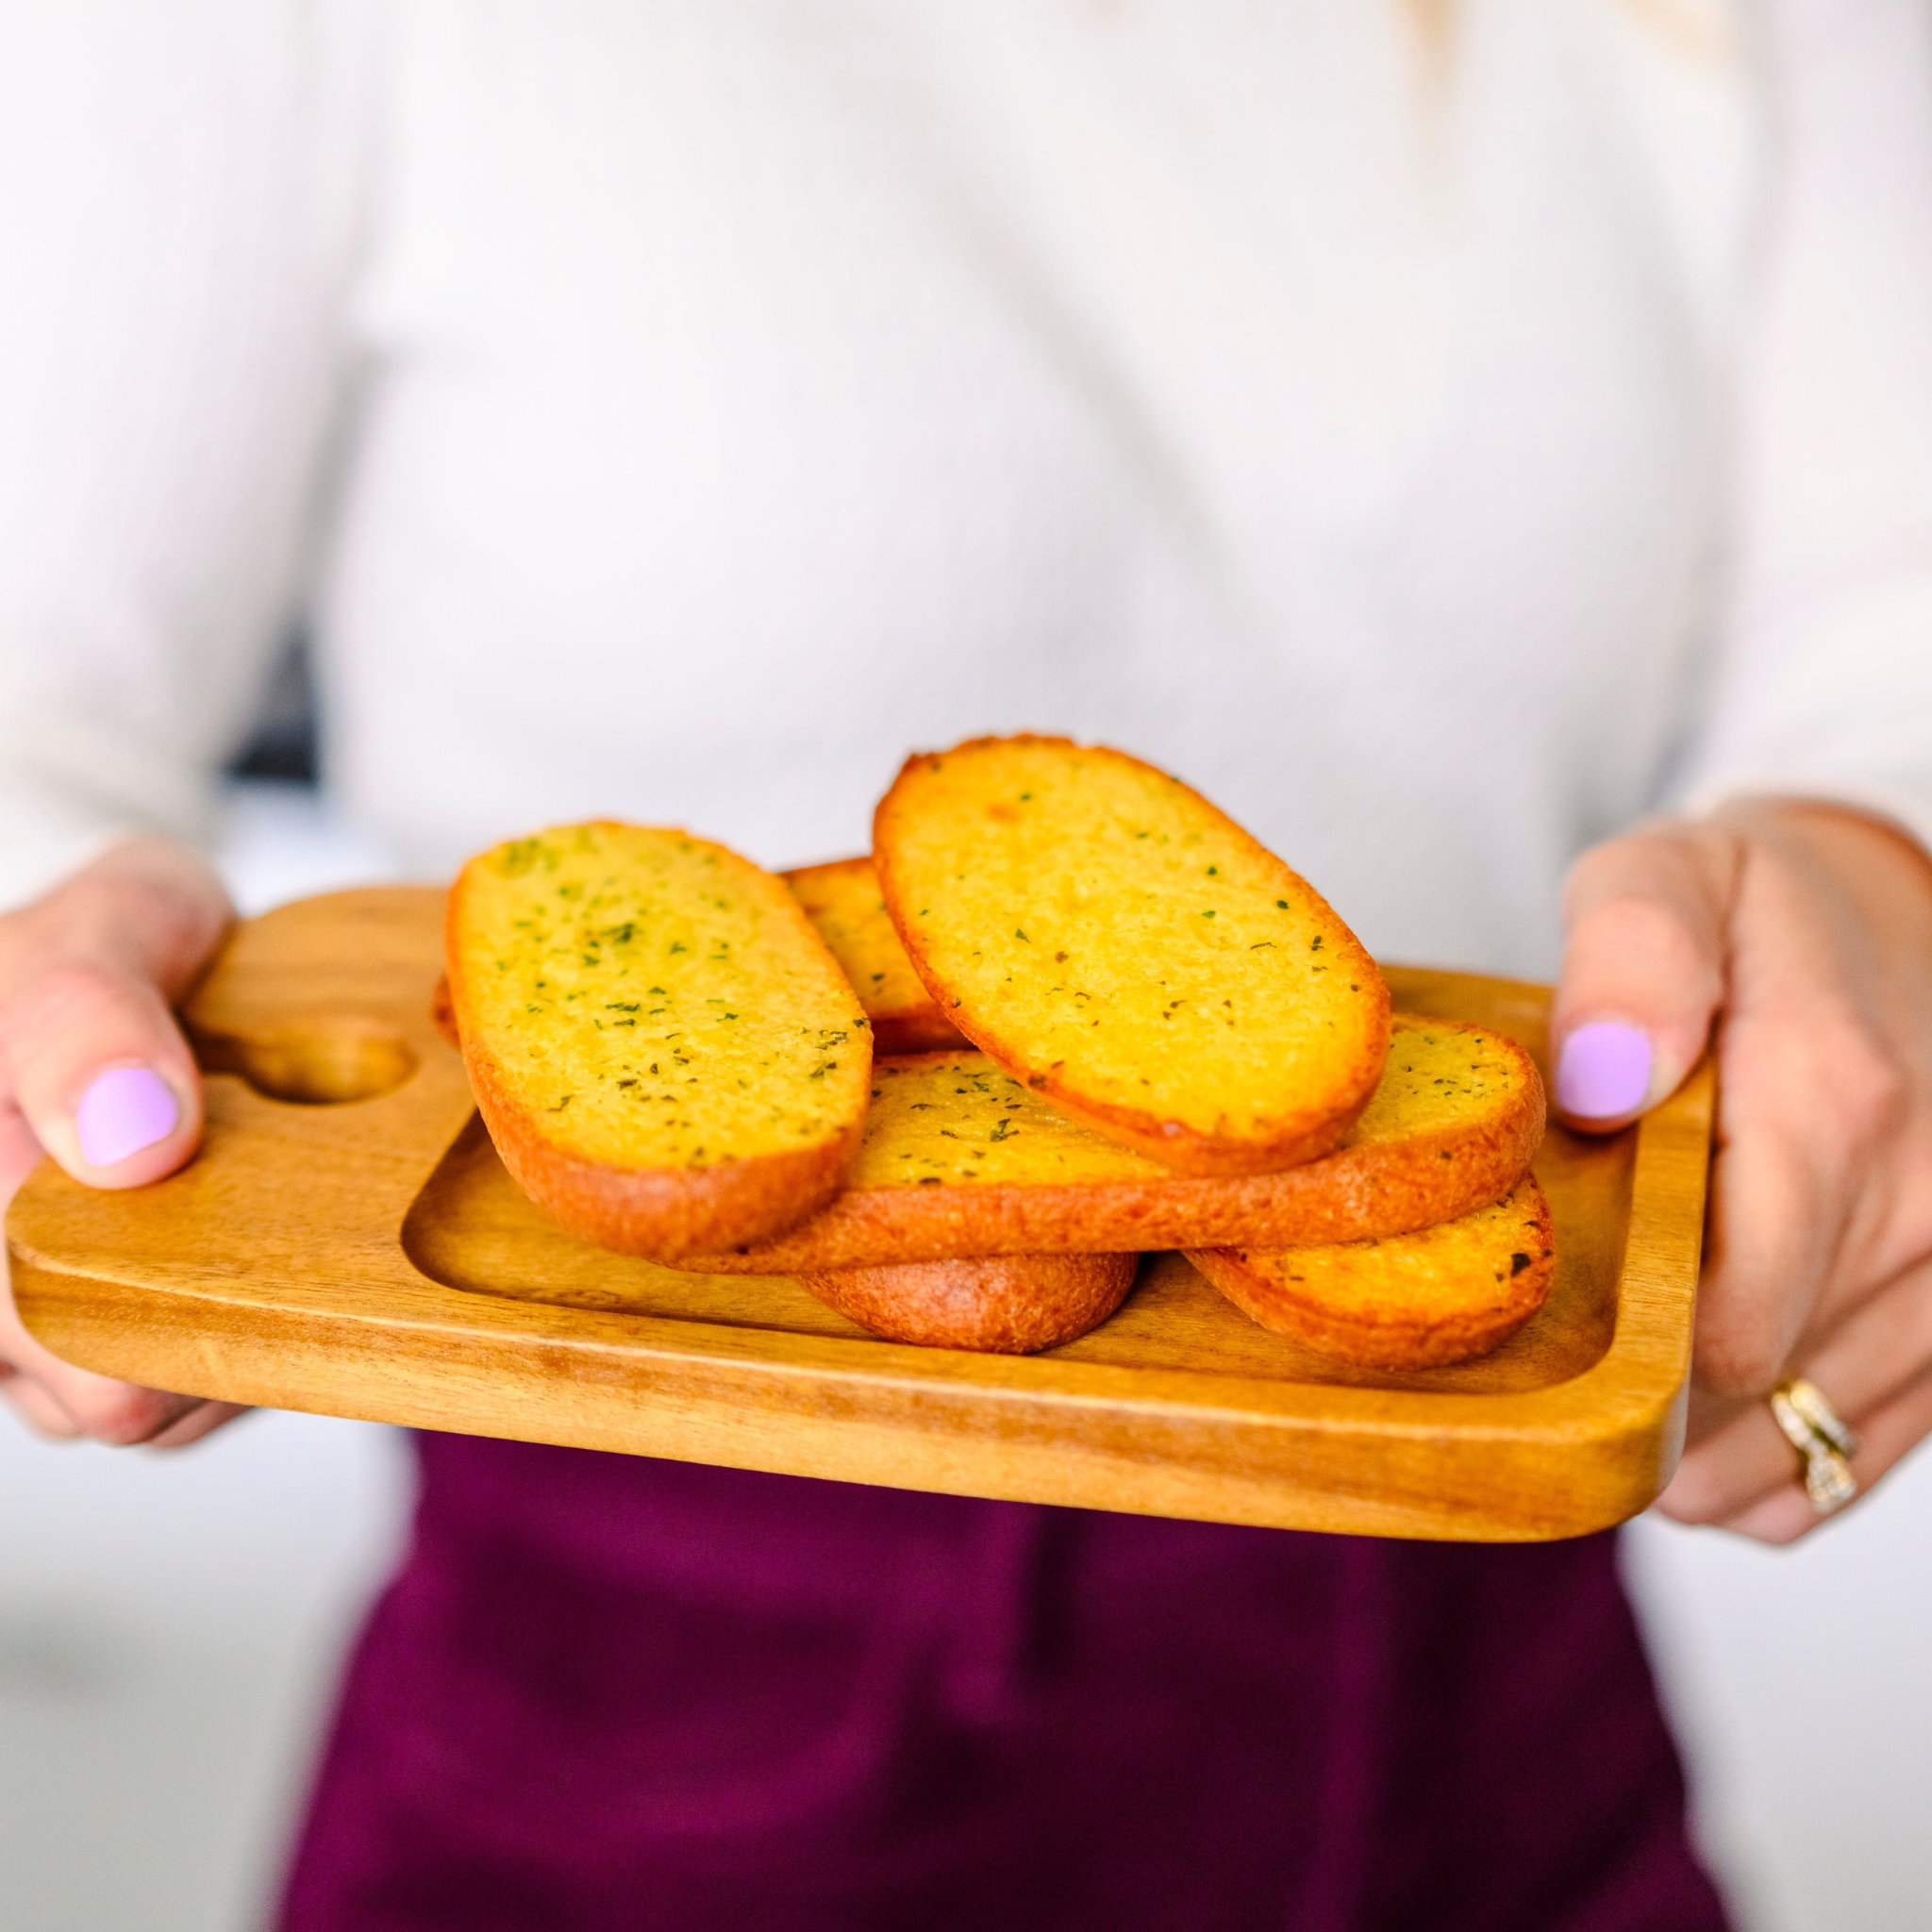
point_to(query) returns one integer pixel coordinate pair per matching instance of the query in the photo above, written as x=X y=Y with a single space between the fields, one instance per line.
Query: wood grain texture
x=347 y=1244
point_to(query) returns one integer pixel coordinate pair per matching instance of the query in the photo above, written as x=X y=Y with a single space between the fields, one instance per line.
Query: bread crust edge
x=1403 y=1339
x=1357 y=1193
x=915 y=1030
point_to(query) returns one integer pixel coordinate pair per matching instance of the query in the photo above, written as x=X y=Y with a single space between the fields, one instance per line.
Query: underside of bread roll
x=1006 y=1304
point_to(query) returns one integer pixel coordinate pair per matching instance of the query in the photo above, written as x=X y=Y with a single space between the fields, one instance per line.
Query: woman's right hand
x=95 y=1071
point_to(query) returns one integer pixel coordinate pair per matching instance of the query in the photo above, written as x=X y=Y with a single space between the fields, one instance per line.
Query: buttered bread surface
x=1444 y=1074
x=960 y=1158
x=842 y=900
x=652 y=1000
x=1131 y=953
x=961 y=1120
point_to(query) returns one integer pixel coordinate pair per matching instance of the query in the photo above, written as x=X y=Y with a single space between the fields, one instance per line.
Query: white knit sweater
x=679 y=409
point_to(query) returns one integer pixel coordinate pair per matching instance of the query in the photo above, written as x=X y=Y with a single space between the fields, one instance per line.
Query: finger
x=1643 y=970
x=20 y=1153
x=1815 y=1139
x=1882 y=1349
x=36 y=1408
x=75 y=1401
x=101 y=1074
x=199 y=1423
x=1885 y=1439
x=61 y=1400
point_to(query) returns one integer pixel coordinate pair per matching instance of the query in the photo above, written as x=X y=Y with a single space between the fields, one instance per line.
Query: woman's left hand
x=1802 y=934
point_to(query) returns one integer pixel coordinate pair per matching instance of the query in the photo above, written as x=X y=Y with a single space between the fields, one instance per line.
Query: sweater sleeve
x=1824 y=679
x=179 y=215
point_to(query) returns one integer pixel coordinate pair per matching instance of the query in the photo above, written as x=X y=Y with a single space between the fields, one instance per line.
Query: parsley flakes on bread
x=666 y=1056
x=1130 y=952
x=1109 y=1022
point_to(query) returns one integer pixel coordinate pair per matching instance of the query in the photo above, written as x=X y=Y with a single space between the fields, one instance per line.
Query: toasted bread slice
x=960 y=1159
x=842 y=900
x=665 y=1053
x=1414 y=1301
x=1130 y=952
x=1006 y=1304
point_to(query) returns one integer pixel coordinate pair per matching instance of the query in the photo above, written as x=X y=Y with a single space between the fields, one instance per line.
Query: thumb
x=100 y=1075
x=92 y=1067
x=1643 y=969
x=94 y=1070
x=99 y=1078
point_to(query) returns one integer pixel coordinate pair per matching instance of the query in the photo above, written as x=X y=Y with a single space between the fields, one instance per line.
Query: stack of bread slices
x=1065 y=1014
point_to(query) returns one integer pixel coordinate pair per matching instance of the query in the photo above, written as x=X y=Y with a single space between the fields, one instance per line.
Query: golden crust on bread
x=663 y=1051
x=1441 y=1294
x=842 y=900
x=1003 y=1305
x=960 y=1159
x=1131 y=953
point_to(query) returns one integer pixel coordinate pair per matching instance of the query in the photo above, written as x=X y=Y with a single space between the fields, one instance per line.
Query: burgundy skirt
x=616 y=1695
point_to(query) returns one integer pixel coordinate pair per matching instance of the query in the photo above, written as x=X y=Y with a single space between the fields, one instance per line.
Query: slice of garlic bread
x=665 y=1053
x=1130 y=952
x=1413 y=1301
x=961 y=1159
x=842 y=900
x=1006 y=1304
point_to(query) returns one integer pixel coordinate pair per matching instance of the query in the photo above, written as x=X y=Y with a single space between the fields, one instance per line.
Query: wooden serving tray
x=346 y=1243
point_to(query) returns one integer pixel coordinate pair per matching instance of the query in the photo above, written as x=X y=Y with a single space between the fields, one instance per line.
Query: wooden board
x=346 y=1243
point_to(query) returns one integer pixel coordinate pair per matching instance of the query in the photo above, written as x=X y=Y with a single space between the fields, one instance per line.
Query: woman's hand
x=95 y=1071
x=1803 y=934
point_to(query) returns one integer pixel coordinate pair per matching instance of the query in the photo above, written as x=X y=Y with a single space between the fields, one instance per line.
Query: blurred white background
x=170 y=1626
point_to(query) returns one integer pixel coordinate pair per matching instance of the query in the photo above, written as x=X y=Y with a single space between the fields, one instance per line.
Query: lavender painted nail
x=125 y=1110
x=1604 y=1070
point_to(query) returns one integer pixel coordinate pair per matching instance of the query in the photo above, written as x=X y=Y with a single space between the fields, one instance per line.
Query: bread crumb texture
x=961 y=1120
x=651 y=1000
x=842 y=900
x=1441 y=1294
x=1128 y=950
x=1439 y=1074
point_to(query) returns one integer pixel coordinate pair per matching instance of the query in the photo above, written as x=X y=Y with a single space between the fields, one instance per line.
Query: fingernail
x=1603 y=1070
x=125 y=1110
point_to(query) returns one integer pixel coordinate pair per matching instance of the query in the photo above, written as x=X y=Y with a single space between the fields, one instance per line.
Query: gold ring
x=1823 y=1443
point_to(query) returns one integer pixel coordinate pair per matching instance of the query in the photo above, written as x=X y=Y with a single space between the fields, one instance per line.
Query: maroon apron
x=616 y=1695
